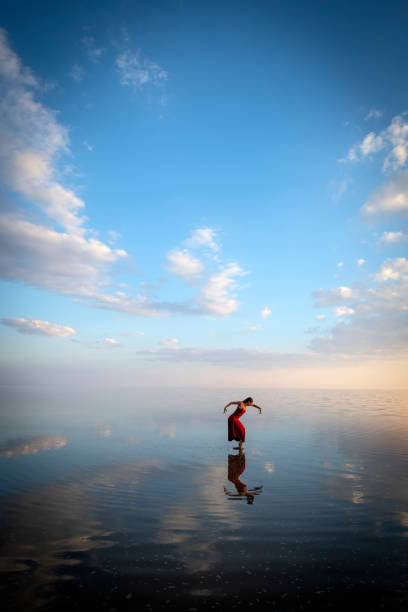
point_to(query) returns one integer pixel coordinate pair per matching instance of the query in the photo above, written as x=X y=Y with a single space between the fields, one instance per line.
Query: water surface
x=113 y=500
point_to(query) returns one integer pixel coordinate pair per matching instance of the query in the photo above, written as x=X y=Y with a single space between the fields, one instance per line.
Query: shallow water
x=137 y=497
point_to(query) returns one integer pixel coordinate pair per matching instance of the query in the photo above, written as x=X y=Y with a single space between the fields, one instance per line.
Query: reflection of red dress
x=236 y=430
x=236 y=466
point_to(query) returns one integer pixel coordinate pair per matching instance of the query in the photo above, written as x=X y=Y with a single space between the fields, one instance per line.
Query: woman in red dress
x=236 y=430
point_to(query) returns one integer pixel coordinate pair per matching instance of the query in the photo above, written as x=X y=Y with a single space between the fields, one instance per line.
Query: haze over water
x=112 y=499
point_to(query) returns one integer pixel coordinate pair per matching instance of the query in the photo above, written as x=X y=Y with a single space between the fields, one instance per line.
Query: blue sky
x=205 y=191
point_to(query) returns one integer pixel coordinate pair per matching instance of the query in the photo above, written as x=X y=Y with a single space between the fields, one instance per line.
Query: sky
x=204 y=193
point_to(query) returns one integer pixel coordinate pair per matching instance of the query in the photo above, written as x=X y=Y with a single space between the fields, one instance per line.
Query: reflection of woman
x=236 y=430
x=236 y=466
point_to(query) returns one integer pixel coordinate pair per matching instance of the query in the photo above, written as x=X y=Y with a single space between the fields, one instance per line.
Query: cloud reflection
x=167 y=431
x=186 y=520
x=105 y=431
x=31 y=446
x=369 y=465
x=202 y=511
x=50 y=527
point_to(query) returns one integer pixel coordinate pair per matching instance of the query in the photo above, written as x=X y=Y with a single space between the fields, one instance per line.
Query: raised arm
x=259 y=408
x=230 y=404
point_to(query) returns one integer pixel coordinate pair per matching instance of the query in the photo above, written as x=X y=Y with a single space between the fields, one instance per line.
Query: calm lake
x=111 y=501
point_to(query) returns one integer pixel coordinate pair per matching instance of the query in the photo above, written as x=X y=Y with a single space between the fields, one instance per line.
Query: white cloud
x=10 y=65
x=373 y=114
x=343 y=310
x=170 y=342
x=254 y=327
x=236 y=356
x=135 y=334
x=394 y=139
x=58 y=261
x=58 y=253
x=138 y=72
x=88 y=146
x=379 y=325
x=331 y=297
x=393 y=237
x=374 y=337
x=30 y=173
x=183 y=264
x=397 y=134
x=113 y=236
x=214 y=295
x=93 y=51
x=77 y=73
x=393 y=269
x=371 y=144
x=139 y=305
x=111 y=342
x=35 y=326
x=361 y=262
x=31 y=142
x=265 y=312
x=204 y=236
x=339 y=188
x=339 y=264
x=214 y=287
x=397 y=158
x=345 y=292
x=320 y=317
x=351 y=156
x=391 y=197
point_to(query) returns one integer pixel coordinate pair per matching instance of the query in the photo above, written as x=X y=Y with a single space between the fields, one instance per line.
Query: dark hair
x=248 y=400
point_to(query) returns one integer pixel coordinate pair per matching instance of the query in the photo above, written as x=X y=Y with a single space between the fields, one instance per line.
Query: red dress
x=236 y=430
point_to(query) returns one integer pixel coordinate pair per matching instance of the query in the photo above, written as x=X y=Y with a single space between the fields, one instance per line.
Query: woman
x=236 y=430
